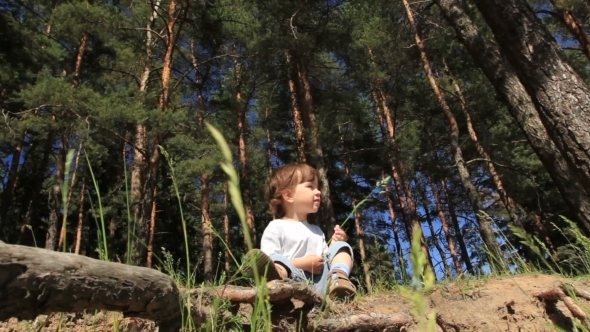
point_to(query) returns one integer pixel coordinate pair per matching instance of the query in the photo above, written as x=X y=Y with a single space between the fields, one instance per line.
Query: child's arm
x=310 y=263
x=339 y=235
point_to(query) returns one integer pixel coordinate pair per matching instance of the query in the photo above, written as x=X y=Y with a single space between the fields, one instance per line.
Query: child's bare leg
x=340 y=268
x=282 y=270
x=342 y=257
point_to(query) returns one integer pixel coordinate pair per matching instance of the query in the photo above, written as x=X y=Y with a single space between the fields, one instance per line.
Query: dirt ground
x=499 y=304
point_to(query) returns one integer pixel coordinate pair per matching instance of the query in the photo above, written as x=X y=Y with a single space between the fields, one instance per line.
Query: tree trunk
x=398 y=246
x=504 y=79
x=446 y=229
x=152 y=232
x=80 y=225
x=139 y=200
x=485 y=228
x=560 y=95
x=37 y=281
x=458 y=233
x=206 y=225
x=79 y=57
x=10 y=187
x=297 y=117
x=506 y=199
x=55 y=196
x=433 y=235
x=316 y=157
x=64 y=228
x=206 y=229
x=244 y=183
x=154 y=161
x=226 y=228
x=269 y=142
x=568 y=18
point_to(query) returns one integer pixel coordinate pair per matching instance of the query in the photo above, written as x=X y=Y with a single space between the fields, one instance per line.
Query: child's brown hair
x=285 y=178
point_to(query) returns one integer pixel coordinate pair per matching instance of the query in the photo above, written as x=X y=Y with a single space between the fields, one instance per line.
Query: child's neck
x=293 y=216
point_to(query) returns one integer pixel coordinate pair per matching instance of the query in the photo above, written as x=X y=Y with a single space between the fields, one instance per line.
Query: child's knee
x=344 y=250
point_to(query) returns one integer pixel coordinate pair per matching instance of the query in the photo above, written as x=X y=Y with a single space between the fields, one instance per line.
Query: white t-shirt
x=293 y=239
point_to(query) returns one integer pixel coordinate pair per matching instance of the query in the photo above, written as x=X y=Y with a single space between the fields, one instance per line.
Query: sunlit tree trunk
x=398 y=246
x=154 y=163
x=226 y=227
x=445 y=226
x=269 y=141
x=81 y=212
x=63 y=233
x=244 y=183
x=79 y=57
x=206 y=228
x=297 y=117
x=568 y=19
x=485 y=227
x=152 y=231
x=140 y=203
x=316 y=153
x=206 y=224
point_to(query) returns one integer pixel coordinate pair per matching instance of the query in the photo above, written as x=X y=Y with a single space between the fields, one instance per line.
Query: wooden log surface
x=37 y=281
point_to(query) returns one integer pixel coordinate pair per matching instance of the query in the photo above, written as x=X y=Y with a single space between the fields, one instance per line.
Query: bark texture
x=503 y=77
x=38 y=281
x=560 y=95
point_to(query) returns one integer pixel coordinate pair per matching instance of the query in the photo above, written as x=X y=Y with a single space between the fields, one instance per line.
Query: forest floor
x=491 y=304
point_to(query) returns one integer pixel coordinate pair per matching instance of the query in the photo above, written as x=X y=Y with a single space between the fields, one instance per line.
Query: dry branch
x=366 y=322
x=277 y=291
x=558 y=294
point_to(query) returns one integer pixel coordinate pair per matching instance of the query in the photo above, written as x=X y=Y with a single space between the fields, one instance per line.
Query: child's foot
x=255 y=259
x=339 y=286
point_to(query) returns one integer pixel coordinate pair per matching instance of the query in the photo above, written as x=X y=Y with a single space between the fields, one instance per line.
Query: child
x=291 y=247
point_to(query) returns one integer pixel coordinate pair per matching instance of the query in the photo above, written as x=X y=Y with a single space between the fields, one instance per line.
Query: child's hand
x=339 y=234
x=317 y=263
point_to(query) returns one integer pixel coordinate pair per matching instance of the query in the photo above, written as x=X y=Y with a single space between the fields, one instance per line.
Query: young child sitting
x=293 y=248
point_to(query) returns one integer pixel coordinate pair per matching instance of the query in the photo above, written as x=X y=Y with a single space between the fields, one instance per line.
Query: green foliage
x=423 y=281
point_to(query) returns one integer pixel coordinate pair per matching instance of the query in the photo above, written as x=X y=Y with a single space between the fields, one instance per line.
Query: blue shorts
x=317 y=281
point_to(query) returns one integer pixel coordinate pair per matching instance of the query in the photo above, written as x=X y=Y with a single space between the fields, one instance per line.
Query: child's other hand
x=317 y=263
x=339 y=234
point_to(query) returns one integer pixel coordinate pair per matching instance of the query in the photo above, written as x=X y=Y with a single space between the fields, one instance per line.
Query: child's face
x=306 y=197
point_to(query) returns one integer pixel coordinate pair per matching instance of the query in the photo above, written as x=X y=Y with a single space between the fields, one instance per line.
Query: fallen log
x=35 y=281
